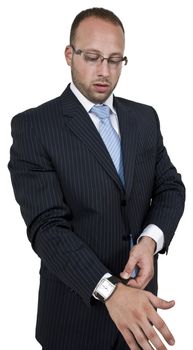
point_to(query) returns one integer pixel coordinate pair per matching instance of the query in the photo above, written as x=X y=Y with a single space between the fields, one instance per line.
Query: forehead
x=99 y=34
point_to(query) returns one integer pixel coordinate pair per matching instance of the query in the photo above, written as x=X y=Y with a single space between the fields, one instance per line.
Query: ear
x=68 y=54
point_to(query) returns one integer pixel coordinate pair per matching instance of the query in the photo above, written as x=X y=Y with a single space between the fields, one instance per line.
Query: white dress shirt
x=151 y=230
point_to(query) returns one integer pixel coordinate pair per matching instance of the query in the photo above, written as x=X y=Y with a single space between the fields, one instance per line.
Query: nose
x=103 y=68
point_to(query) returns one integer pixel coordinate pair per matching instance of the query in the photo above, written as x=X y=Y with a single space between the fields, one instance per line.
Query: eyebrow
x=99 y=52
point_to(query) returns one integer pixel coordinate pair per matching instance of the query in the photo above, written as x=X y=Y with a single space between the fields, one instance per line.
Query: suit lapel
x=78 y=121
x=129 y=136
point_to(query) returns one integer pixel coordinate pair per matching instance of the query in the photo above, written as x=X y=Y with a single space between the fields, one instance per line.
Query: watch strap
x=114 y=280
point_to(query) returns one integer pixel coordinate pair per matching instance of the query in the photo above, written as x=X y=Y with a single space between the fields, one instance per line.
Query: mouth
x=101 y=87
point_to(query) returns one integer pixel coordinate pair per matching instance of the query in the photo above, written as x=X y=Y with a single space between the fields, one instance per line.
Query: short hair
x=98 y=12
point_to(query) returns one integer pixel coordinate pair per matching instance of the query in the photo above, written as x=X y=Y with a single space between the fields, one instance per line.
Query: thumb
x=160 y=303
x=129 y=267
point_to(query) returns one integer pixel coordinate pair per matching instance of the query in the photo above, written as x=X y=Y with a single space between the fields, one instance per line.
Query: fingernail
x=125 y=275
x=172 y=341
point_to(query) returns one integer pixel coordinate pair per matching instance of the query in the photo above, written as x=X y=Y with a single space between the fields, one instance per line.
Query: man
x=100 y=198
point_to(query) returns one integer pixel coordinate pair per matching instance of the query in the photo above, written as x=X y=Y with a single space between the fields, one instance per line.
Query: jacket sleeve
x=47 y=215
x=168 y=196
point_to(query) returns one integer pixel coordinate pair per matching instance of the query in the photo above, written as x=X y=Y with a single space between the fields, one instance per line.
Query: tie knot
x=101 y=111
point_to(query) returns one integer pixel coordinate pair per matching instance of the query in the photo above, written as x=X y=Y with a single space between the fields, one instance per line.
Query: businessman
x=100 y=198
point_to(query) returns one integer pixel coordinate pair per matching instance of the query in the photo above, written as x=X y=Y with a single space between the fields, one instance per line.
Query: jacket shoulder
x=37 y=114
x=134 y=105
x=141 y=112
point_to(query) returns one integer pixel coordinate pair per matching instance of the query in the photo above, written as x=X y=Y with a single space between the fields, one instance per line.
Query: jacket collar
x=79 y=122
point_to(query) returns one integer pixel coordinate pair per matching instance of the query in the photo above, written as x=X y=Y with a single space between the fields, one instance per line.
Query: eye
x=91 y=57
x=115 y=59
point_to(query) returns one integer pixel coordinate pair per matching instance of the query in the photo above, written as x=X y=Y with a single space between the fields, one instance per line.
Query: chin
x=99 y=98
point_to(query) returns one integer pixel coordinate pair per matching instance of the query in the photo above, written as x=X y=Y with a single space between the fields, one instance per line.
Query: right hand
x=140 y=256
x=133 y=312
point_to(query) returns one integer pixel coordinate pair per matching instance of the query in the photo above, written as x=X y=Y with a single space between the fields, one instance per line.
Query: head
x=96 y=34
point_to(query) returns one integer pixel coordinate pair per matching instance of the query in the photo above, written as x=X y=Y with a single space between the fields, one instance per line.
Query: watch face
x=105 y=289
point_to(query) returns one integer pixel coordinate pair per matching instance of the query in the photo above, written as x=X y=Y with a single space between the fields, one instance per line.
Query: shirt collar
x=88 y=104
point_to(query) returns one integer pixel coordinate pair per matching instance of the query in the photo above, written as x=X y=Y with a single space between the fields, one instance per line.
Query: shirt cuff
x=106 y=275
x=156 y=234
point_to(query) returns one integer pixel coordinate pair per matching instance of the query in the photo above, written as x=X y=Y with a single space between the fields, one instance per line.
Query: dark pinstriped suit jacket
x=78 y=215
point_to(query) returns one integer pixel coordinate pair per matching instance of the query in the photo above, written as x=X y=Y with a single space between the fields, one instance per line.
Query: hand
x=133 y=312
x=141 y=255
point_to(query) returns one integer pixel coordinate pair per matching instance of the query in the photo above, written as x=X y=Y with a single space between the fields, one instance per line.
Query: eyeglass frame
x=102 y=58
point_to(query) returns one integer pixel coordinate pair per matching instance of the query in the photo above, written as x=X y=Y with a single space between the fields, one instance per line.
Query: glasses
x=96 y=58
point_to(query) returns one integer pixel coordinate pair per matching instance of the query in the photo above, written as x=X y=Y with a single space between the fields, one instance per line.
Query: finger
x=161 y=326
x=142 y=279
x=129 y=267
x=130 y=340
x=142 y=339
x=160 y=303
x=138 y=283
x=153 y=337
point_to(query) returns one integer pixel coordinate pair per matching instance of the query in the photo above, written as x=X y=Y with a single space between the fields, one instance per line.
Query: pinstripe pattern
x=110 y=137
x=78 y=214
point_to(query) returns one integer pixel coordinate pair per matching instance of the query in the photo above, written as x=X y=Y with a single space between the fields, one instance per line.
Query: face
x=96 y=81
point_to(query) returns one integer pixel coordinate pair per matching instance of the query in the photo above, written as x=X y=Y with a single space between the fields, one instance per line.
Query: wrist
x=106 y=288
x=149 y=243
x=117 y=295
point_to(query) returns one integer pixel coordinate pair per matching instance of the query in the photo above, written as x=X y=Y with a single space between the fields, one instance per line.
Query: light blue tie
x=110 y=137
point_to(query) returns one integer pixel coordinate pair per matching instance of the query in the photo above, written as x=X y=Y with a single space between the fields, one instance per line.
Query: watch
x=105 y=288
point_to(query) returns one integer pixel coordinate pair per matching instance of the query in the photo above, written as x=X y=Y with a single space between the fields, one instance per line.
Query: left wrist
x=105 y=288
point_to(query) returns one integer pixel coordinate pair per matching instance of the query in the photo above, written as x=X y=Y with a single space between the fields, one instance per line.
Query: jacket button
x=123 y=203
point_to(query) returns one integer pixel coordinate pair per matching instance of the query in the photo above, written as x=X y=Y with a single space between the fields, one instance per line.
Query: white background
x=33 y=70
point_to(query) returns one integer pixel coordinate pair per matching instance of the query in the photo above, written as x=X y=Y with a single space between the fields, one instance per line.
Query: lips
x=101 y=87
